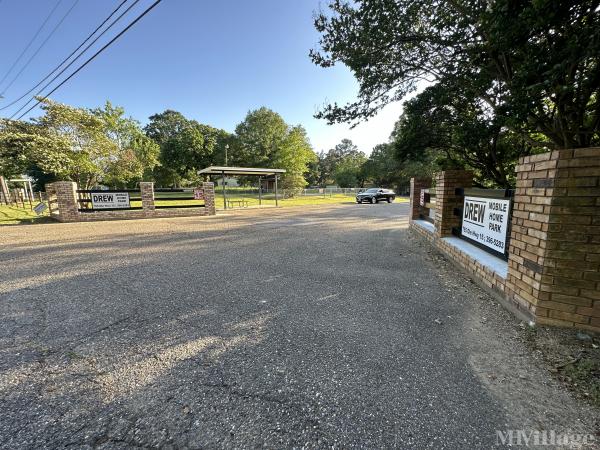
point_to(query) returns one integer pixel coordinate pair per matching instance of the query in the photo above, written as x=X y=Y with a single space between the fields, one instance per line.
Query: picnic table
x=240 y=203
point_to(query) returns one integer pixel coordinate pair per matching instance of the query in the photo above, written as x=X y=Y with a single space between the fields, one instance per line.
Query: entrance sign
x=198 y=194
x=485 y=220
x=110 y=200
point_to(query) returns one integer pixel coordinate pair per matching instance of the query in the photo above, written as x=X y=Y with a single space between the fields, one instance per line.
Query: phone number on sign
x=495 y=242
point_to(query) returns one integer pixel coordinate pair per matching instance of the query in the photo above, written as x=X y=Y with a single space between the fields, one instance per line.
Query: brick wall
x=67 y=207
x=554 y=252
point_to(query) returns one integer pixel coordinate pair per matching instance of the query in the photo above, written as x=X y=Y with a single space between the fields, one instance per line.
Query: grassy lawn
x=269 y=199
x=252 y=199
x=11 y=215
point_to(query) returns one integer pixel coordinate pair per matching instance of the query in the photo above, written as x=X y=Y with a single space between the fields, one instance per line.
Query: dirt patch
x=572 y=356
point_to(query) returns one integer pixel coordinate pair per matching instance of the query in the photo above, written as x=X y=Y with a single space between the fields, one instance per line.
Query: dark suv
x=374 y=195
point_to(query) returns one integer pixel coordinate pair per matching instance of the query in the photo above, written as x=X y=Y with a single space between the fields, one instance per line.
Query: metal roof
x=220 y=170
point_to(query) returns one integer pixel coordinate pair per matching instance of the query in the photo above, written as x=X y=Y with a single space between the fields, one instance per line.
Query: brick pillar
x=51 y=199
x=147 y=194
x=446 y=183
x=554 y=253
x=416 y=186
x=66 y=201
x=209 y=198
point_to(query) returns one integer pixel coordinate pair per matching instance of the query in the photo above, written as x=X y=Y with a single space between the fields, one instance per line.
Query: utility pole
x=226 y=148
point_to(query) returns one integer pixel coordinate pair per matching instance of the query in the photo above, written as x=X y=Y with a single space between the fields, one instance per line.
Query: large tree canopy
x=345 y=154
x=258 y=137
x=135 y=155
x=78 y=148
x=536 y=64
x=458 y=131
x=185 y=145
x=264 y=139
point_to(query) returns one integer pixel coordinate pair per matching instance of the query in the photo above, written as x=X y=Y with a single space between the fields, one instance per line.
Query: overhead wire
x=31 y=41
x=121 y=33
x=56 y=27
x=72 y=53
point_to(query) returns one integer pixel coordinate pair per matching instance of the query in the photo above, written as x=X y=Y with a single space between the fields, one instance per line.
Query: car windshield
x=372 y=190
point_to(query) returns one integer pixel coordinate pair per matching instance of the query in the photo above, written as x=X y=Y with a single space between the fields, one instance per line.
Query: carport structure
x=244 y=171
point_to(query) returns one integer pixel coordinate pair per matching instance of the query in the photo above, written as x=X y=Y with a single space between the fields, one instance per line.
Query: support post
x=446 y=183
x=259 y=191
x=4 y=188
x=416 y=186
x=554 y=255
x=276 y=199
x=209 y=198
x=224 y=194
x=66 y=200
x=30 y=195
x=147 y=194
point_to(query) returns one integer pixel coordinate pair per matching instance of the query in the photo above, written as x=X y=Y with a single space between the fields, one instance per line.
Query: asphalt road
x=289 y=328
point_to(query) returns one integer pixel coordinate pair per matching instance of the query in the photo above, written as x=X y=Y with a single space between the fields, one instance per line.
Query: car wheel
x=358 y=201
x=390 y=199
x=373 y=200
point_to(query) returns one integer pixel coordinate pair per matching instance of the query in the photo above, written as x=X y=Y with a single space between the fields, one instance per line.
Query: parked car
x=374 y=195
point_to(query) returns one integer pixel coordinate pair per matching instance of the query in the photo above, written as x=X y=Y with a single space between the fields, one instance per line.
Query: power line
x=31 y=41
x=72 y=53
x=137 y=19
x=41 y=45
x=75 y=59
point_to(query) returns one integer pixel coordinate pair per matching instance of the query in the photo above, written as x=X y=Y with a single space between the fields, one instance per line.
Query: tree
x=258 y=137
x=313 y=174
x=460 y=132
x=382 y=167
x=348 y=172
x=264 y=139
x=344 y=154
x=535 y=64
x=69 y=143
x=335 y=156
x=294 y=155
x=16 y=140
x=136 y=154
x=185 y=146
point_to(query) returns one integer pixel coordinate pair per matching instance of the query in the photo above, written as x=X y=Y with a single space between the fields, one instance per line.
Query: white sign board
x=109 y=200
x=485 y=220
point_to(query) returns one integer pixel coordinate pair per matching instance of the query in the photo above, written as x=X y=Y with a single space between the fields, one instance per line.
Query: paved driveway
x=297 y=327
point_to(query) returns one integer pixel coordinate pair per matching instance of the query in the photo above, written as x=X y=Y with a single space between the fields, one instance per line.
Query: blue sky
x=212 y=60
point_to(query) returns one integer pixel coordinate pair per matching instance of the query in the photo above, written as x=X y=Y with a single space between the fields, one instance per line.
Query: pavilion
x=244 y=171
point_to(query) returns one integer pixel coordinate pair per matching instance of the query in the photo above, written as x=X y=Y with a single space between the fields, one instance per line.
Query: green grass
x=294 y=201
x=12 y=215
x=252 y=199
